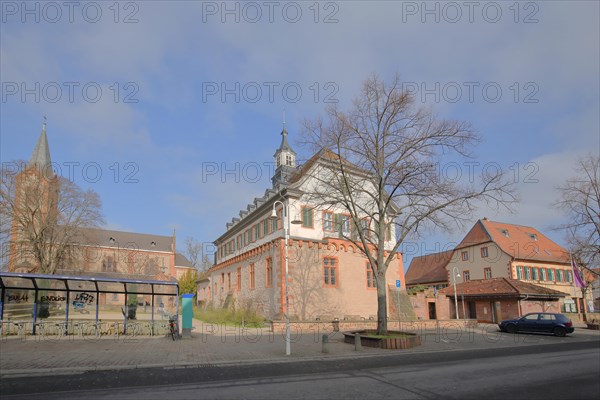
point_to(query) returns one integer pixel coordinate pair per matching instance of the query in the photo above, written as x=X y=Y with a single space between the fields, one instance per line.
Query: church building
x=37 y=222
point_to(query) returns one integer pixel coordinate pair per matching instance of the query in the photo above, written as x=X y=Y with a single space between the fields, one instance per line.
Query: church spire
x=285 y=159
x=40 y=158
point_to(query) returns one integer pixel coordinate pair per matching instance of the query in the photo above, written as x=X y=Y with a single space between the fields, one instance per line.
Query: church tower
x=35 y=205
x=285 y=161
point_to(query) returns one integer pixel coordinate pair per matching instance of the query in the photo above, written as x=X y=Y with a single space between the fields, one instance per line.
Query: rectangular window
x=280 y=219
x=327 y=221
x=568 y=276
x=239 y=242
x=256 y=232
x=465 y=255
x=246 y=238
x=364 y=226
x=484 y=252
x=559 y=275
x=528 y=273
x=388 y=231
x=466 y=275
x=342 y=224
x=274 y=223
x=543 y=274
x=269 y=272
x=307 y=217
x=536 y=273
x=239 y=279
x=330 y=271
x=345 y=221
x=519 y=272
x=266 y=227
x=251 y=277
x=370 y=277
x=228 y=281
x=487 y=272
x=550 y=275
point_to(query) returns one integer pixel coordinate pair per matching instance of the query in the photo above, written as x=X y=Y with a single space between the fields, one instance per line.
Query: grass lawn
x=228 y=317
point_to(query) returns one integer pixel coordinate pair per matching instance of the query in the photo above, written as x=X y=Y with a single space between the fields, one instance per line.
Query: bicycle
x=173 y=327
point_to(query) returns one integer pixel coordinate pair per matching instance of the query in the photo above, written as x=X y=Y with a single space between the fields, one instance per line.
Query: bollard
x=325 y=344
x=357 y=344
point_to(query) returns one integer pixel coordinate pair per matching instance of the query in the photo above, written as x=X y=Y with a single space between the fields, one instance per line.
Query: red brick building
x=329 y=277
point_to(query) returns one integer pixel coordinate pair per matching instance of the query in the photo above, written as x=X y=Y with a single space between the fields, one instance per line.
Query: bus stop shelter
x=40 y=304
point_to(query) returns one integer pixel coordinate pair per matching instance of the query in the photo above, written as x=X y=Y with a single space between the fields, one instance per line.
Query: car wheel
x=511 y=329
x=560 y=331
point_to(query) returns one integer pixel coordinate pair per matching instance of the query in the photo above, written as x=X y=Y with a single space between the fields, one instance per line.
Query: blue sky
x=182 y=132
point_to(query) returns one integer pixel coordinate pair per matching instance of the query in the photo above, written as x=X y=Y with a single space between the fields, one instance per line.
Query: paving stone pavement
x=212 y=345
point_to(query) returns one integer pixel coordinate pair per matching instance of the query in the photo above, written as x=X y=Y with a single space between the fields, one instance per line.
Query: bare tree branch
x=378 y=165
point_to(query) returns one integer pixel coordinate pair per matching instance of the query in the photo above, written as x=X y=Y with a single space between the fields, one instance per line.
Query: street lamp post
x=455 y=274
x=286 y=234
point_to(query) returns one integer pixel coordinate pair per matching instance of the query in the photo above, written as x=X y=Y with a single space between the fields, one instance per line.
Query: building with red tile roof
x=497 y=299
x=429 y=270
x=492 y=250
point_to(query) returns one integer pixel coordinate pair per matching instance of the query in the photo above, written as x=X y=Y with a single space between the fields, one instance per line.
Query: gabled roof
x=182 y=261
x=502 y=287
x=123 y=240
x=428 y=269
x=518 y=241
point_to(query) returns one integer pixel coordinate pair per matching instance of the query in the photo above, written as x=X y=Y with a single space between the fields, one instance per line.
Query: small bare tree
x=378 y=164
x=193 y=251
x=41 y=214
x=580 y=199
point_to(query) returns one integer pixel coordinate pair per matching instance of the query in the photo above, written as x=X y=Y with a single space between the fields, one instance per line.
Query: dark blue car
x=556 y=324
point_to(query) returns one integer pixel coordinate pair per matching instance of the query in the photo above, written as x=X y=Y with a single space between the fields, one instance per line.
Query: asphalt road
x=564 y=370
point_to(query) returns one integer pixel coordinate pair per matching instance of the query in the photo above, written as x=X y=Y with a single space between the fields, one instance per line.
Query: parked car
x=557 y=324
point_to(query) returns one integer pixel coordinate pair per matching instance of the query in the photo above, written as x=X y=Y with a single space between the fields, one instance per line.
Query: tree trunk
x=381 y=304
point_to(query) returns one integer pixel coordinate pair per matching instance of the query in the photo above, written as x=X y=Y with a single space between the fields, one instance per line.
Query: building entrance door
x=472 y=310
x=432 y=313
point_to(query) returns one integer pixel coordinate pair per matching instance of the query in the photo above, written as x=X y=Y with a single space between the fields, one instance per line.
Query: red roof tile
x=500 y=287
x=428 y=269
x=520 y=242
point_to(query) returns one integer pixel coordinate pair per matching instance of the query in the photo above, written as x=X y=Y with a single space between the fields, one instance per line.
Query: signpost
x=398 y=287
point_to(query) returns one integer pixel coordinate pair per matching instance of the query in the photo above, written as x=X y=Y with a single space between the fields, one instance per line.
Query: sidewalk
x=211 y=345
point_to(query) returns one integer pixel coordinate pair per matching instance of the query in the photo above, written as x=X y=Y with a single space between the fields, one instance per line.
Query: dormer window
x=152 y=244
x=505 y=232
x=533 y=236
x=111 y=240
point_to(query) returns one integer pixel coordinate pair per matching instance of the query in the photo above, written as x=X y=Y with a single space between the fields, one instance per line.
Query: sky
x=172 y=110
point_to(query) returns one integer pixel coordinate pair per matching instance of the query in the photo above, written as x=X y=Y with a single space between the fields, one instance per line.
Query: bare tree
x=41 y=214
x=378 y=164
x=194 y=250
x=580 y=199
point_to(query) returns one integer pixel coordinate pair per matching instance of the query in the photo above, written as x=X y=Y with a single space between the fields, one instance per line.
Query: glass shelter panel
x=17 y=282
x=81 y=285
x=117 y=287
